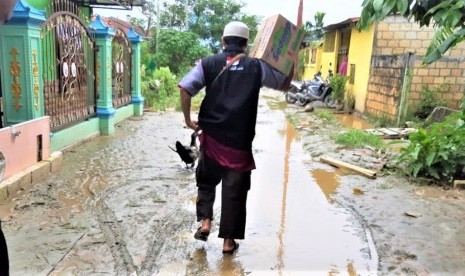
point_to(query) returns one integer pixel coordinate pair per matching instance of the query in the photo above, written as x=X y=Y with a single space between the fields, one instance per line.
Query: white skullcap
x=236 y=28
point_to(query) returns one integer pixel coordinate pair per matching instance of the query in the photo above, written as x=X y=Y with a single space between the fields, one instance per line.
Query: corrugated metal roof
x=342 y=24
x=110 y=4
x=123 y=25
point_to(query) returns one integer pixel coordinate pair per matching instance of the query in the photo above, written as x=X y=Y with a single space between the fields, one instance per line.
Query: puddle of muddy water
x=293 y=225
x=353 y=121
x=313 y=235
x=328 y=181
x=275 y=101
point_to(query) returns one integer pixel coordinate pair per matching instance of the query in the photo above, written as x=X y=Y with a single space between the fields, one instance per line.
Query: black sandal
x=235 y=247
x=199 y=235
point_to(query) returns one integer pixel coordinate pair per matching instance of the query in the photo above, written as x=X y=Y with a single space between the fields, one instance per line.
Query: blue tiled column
x=21 y=73
x=105 y=111
x=136 y=93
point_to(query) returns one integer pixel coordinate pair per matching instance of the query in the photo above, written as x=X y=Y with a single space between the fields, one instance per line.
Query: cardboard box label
x=281 y=41
x=277 y=43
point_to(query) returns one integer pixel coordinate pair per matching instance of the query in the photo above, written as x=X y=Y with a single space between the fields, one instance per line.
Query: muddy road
x=125 y=205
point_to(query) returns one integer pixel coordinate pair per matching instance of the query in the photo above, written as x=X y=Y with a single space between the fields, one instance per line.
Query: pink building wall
x=22 y=151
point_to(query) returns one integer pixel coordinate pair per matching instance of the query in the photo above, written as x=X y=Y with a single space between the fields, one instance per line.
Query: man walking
x=227 y=119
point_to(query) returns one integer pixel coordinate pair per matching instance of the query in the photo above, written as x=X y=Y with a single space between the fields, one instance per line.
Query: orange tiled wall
x=395 y=37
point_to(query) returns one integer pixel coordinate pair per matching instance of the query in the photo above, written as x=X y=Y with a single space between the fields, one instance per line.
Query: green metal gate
x=68 y=55
x=121 y=77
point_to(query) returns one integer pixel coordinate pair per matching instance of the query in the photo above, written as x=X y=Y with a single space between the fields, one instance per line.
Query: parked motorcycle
x=316 y=89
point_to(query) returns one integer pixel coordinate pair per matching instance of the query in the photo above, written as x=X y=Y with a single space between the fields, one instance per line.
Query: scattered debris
x=342 y=112
x=412 y=214
x=438 y=114
x=341 y=164
x=309 y=108
x=304 y=123
x=391 y=133
x=459 y=183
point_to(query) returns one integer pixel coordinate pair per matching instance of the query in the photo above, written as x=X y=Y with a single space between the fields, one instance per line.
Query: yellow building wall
x=309 y=71
x=359 y=53
x=311 y=68
x=328 y=61
x=324 y=60
x=361 y=48
x=329 y=58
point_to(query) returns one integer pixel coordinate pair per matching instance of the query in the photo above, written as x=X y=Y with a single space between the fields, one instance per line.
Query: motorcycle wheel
x=290 y=98
x=329 y=102
x=301 y=101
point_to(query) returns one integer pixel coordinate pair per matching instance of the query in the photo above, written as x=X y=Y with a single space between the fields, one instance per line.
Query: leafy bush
x=161 y=92
x=303 y=59
x=428 y=101
x=179 y=50
x=197 y=100
x=438 y=151
x=338 y=84
x=356 y=138
x=350 y=101
x=147 y=60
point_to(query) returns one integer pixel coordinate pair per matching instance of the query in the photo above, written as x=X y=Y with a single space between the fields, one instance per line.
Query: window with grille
x=313 y=56
x=330 y=39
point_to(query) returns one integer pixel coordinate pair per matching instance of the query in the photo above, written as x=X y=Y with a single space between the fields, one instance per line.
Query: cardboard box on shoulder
x=277 y=43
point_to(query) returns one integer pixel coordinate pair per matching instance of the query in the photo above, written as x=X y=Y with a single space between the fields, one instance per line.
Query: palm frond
x=444 y=39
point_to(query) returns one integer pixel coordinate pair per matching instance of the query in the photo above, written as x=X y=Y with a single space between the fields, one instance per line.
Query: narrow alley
x=124 y=205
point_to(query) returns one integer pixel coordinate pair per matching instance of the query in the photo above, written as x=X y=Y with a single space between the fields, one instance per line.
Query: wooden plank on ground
x=341 y=112
x=391 y=133
x=388 y=131
x=341 y=164
x=374 y=131
x=459 y=183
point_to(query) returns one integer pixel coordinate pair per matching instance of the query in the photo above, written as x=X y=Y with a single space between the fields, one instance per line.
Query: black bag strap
x=236 y=58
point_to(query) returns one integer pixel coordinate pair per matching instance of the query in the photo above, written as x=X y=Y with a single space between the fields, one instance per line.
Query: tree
x=178 y=50
x=149 y=11
x=448 y=15
x=176 y=15
x=206 y=18
x=147 y=59
x=314 y=30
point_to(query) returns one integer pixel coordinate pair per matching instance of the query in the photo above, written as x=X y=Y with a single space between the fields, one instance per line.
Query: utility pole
x=157 y=23
x=187 y=15
x=299 y=25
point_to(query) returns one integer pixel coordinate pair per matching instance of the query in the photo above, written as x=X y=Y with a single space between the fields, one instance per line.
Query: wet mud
x=125 y=205
x=416 y=226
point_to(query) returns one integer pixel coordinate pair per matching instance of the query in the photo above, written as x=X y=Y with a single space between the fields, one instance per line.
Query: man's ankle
x=228 y=243
x=206 y=224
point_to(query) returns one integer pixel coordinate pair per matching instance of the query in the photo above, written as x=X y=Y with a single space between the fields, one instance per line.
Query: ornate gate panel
x=69 y=54
x=121 y=72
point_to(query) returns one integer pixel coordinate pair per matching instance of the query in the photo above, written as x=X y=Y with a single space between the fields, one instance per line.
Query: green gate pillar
x=20 y=64
x=105 y=111
x=136 y=94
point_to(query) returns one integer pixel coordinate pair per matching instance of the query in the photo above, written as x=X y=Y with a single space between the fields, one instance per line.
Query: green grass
x=293 y=119
x=166 y=103
x=325 y=115
x=355 y=138
x=173 y=101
